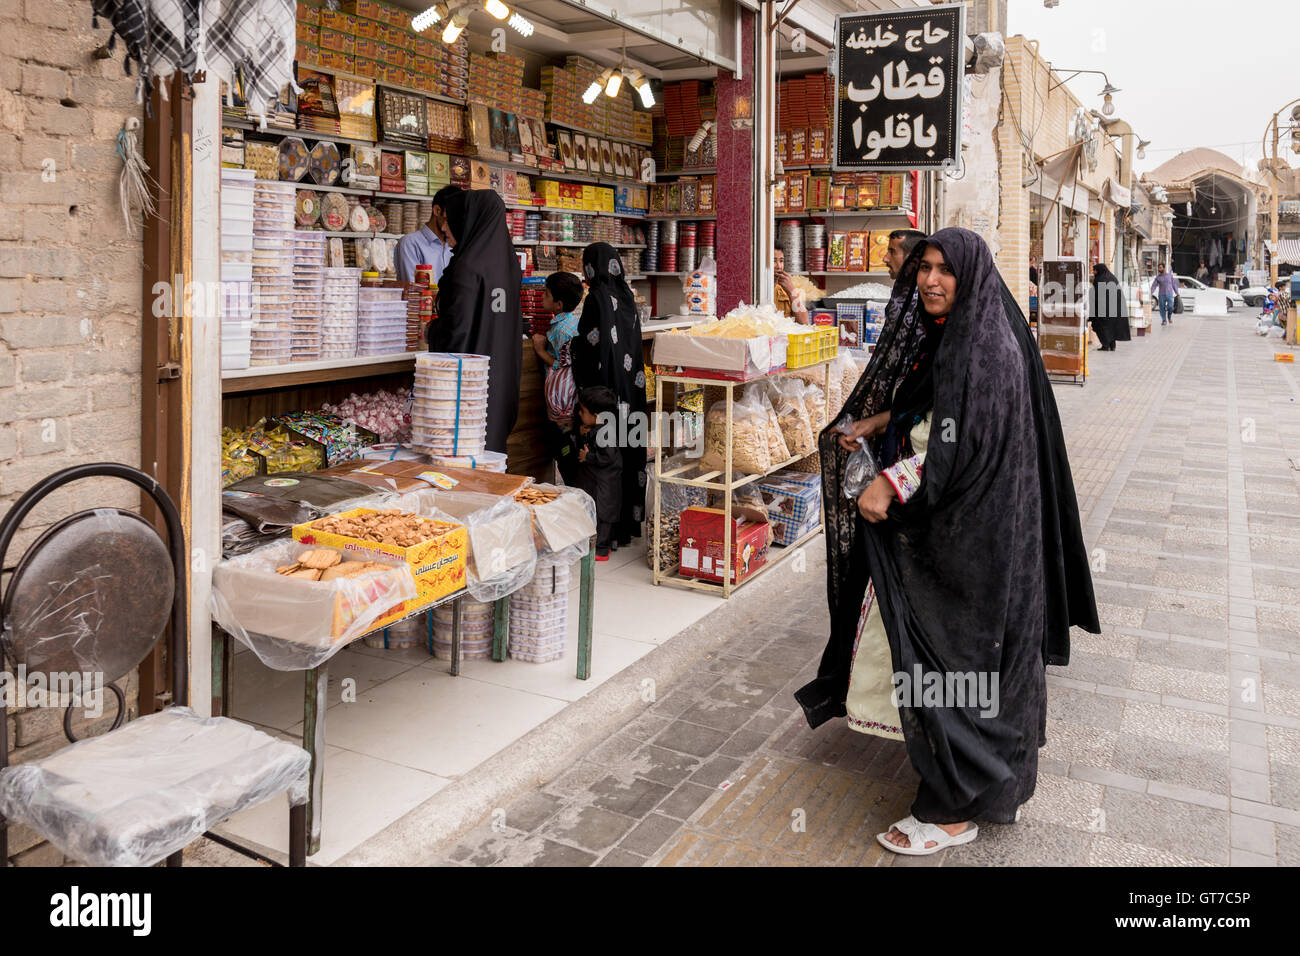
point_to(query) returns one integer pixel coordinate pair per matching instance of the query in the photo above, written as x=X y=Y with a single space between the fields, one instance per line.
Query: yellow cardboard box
x=438 y=565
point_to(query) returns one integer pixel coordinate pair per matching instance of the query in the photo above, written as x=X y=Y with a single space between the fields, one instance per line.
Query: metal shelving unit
x=722 y=481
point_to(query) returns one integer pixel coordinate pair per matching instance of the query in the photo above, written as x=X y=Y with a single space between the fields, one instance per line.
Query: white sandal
x=919 y=834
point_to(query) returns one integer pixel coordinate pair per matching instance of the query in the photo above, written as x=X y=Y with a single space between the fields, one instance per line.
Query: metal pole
x=1272 y=227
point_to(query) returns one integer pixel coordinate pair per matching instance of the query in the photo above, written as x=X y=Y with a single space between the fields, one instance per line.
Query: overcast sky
x=1191 y=72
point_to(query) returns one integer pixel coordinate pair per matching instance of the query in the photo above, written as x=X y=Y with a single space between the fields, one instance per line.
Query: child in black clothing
x=600 y=469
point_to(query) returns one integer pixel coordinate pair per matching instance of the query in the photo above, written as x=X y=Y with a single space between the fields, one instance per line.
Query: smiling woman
x=964 y=559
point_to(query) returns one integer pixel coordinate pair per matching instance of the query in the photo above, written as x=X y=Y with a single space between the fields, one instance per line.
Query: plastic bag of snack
x=776 y=446
x=793 y=417
x=750 y=450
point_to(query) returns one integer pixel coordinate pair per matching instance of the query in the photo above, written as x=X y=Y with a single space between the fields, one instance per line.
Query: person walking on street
x=1164 y=287
x=1106 y=308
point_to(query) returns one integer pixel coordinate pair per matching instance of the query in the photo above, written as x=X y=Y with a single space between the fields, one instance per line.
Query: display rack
x=723 y=481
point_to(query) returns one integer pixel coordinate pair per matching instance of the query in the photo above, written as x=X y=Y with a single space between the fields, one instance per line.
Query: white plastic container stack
x=476 y=625
x=308 y=283
x=488 y=461
x=236 y=267
x=412 y=632
x=449 y=404
x=381 y=321
x=338 y=319
x=539 y=615
x=273 y=247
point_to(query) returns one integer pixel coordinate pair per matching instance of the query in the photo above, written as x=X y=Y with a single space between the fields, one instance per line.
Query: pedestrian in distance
x=965 y=557
x=1107 y=309
x=1164 y=287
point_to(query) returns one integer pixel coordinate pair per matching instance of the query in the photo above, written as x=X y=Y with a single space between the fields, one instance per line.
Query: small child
x=600 y=468
x=562 y=296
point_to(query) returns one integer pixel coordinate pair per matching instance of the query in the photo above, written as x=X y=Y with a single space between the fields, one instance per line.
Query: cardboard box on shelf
x=701 y=553
x=736 y=360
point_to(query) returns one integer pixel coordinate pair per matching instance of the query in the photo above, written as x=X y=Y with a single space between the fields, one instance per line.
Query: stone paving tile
x=1171 y=762
x=1194 y=832
x=1181 y=654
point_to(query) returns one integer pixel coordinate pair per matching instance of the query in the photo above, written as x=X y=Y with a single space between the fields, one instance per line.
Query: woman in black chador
x=962 y=566
x=1107 y=309
x=607 y=351
x=478 y=303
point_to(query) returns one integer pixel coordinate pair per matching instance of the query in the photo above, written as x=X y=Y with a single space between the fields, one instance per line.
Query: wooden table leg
x=586 y=599
x=500 y=629
x=313 y=741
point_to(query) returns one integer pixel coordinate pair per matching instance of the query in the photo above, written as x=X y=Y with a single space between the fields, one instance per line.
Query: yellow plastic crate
x=813 y=346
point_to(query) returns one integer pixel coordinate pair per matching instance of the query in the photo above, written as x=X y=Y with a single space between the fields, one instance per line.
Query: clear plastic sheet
x=673 y=500
x=135 y=796
x=502 y=552
x=563 y=528
x=292 y=624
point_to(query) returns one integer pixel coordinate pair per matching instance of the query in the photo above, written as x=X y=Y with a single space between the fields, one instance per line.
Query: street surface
x=1174 y=735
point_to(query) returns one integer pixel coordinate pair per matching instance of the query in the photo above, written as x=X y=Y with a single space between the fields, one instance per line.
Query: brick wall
x=70 y=300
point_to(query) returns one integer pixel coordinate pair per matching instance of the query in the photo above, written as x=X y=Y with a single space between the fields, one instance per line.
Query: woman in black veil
x=1107 y=309
x=970 y=542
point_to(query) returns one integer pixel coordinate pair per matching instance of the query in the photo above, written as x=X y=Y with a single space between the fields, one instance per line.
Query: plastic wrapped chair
x=91 y=597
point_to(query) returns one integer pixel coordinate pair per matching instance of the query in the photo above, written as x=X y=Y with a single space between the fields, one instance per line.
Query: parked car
x=1212 y=301
x=1254 y=295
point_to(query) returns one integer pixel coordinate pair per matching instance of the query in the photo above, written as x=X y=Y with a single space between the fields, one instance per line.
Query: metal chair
x=92 y=596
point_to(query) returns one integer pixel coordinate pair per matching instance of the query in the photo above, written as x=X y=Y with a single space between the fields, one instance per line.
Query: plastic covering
x=134 y=796
x=562 y=528
x=502 y=552
x=293 y=624
x=673 y=500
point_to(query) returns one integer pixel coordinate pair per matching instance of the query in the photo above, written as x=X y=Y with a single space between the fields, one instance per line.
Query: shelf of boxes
x=682 y=215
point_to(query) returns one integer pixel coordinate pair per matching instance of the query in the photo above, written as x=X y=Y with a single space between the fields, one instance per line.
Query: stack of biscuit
x=326 y=564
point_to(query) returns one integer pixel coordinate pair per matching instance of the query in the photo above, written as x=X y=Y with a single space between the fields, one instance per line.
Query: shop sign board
x=899 y=76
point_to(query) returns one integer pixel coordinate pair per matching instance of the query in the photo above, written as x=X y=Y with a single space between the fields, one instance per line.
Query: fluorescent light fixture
x=521 y=25
x=592 y=91
x=496 y=8
x=454 y=28
x=641 y=83
x=614 y=82
x=422 y=21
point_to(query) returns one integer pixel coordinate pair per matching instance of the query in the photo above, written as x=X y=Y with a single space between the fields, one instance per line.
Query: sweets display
x=449 y=404
x=339 y=290
x=539 y=616
x=381 y=321
x=342 y=441
x=477 y=623
x=387 y=414
x=308 y=281
x=390 y=526
x=272 y=259
x=237 y=192
x=326 y=564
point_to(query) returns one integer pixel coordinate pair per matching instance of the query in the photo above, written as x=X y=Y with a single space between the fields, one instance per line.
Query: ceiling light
x=647 y=94
x=700 y=136
x=454 y=28
x=593 y=91
x=614 y=82
x=521 y=25
x=1107 y=106
x=422 y=21
x=496 y=8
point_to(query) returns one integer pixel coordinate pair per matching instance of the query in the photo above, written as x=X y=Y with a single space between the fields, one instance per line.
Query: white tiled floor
x=414 y=728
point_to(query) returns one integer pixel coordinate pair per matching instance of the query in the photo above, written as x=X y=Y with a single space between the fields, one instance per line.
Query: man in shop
x=431 y=244
x=901 y=244
x=786 y=295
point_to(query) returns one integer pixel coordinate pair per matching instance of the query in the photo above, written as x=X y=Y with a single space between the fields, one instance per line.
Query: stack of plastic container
x=539 y=615
x=308 y=283
x=488 y=461
x=686 y=247
x=338 y=319
x=651 y=260
x=273 y=248
x=708 y=230
x=236 y=267
x=381 y=321
x=668 y=246
x=449 y=404
x=476 y=625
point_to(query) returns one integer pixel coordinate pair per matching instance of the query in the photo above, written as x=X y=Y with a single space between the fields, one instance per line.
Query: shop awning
x=1288 y=252
x=1121 y=196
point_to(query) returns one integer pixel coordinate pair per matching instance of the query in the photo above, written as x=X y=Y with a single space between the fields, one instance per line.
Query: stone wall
x=70 y=298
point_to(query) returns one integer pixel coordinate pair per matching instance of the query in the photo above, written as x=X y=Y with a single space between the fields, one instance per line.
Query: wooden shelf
x=592 y=132
x=357 y=235
x=703 y=171
x=683 y=215
x=575 y=212
x=844 y=213
x=259 y=377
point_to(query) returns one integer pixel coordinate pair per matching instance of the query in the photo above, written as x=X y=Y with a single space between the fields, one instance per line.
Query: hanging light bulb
x=422 y=21
x=593 y=91
x=454 y=27
x=521 y=25
x=496 y=8
x=1108 y=105
x=1189 y=208
x=614 y=82
x=646 y=93
x=1213 y=209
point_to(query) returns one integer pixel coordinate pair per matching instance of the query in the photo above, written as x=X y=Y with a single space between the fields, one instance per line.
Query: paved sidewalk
x=1174 y=735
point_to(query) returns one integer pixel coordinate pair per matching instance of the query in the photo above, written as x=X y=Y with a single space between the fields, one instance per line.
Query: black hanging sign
x=898 y=88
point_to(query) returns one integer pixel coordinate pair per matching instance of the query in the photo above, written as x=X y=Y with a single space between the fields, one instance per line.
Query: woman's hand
x=874 y=503
x=865 y=428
